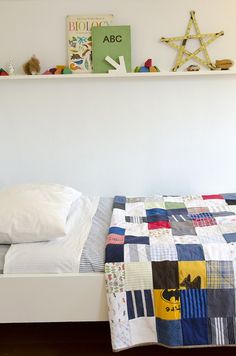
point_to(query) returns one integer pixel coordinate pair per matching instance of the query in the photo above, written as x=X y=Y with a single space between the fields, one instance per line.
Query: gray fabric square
x=181 y=228
x=221 y=303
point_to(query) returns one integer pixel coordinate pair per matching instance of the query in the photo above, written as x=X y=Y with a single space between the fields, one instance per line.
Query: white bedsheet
x=3 y=251
x=61 y=255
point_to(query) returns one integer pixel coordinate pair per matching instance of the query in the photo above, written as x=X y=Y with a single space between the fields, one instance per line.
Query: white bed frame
x=53 y=298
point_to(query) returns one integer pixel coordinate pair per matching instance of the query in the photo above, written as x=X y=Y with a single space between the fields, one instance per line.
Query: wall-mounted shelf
x=126 y=75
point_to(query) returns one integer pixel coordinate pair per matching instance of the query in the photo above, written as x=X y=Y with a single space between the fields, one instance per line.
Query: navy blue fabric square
x=114 y=253
x=144 y=240
x=119 y=202
x=116 y=230
x=230 y=237
x=195 y=331
x=169 y=332
x=190 y=252
x=221 y=303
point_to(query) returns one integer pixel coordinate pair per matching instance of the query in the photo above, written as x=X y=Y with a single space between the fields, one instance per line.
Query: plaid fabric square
x=203 y=219
x=163 y=252
x=220 y=275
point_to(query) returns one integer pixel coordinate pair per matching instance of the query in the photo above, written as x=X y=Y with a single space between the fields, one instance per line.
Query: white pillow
x=34 y=212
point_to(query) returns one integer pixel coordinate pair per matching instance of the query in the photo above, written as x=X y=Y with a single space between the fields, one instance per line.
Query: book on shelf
x=79 y=40
x=113 y=41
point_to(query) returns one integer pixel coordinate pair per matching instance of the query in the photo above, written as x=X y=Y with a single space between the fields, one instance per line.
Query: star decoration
x=204 y=38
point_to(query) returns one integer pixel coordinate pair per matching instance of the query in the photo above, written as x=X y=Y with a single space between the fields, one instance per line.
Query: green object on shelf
x=67 y=71
x=113 y=41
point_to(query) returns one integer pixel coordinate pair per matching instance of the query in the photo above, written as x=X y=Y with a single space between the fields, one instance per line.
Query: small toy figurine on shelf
x=224 y=64
x=3 y=72
x=148 y=67
x=11 y=69
x=32 y=67
x=193 y=68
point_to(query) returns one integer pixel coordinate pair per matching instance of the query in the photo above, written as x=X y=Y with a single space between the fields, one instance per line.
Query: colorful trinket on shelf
x=3 y=72
x=224 y=64
x=58 y=70
x=193 y=68
x=67 y=70
x=148 y=67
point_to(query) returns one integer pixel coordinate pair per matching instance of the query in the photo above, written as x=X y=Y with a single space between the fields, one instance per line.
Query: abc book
x=113 y=41
x=79 y=40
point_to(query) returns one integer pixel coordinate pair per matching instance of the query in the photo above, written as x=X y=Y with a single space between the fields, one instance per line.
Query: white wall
x=118 y=136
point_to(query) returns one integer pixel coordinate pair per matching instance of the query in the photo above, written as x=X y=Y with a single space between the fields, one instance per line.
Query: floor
x=70 y=339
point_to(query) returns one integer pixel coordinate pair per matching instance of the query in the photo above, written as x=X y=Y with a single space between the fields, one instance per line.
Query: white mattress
x=61 y=255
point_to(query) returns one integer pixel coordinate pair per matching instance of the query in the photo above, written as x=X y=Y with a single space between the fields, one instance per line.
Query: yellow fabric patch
x=192 y=274
x=167 y=304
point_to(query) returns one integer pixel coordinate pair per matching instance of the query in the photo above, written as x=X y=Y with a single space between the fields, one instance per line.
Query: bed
x=170 y=270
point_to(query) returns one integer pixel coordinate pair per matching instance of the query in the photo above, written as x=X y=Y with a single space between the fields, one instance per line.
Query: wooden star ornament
x=204 y=38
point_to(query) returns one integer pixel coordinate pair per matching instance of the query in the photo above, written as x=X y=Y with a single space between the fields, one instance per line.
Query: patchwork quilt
x=171 y=271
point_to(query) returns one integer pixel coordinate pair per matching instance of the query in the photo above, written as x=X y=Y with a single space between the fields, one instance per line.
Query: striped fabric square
x=136 y=219
x=222 y=331
x=163 y=252
x=193 y=303
x=139 y=303
x=136 y=253
x=138 y=275
x=220 y=274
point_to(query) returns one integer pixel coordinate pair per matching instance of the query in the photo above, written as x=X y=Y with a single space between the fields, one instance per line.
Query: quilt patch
x=171 y=271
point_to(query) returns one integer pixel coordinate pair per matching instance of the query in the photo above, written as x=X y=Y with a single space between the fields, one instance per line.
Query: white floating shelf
x=127 y=75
